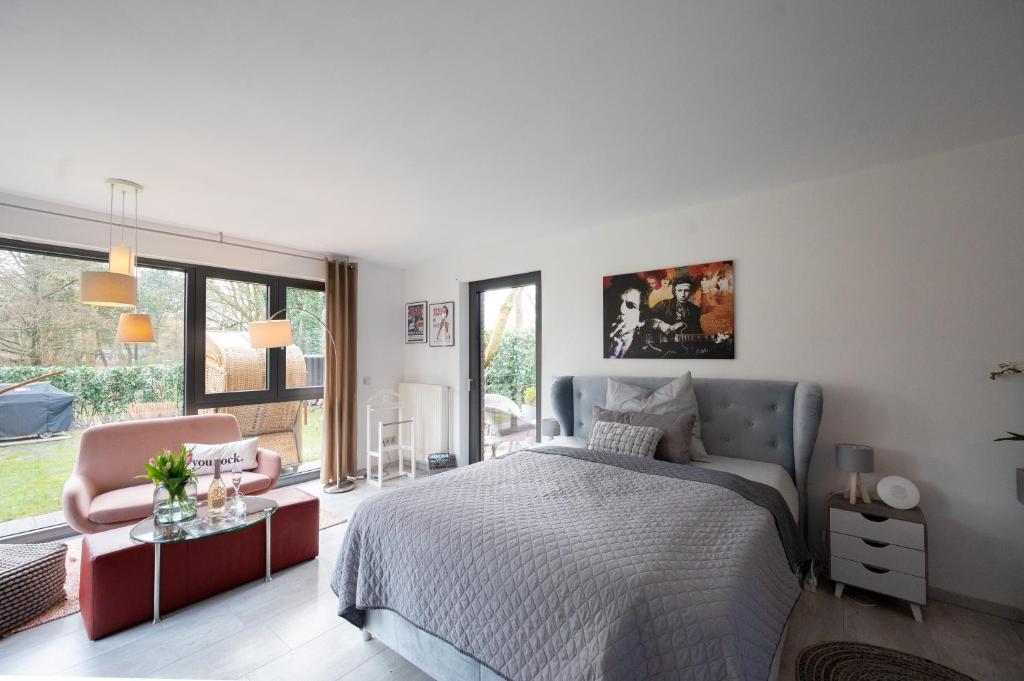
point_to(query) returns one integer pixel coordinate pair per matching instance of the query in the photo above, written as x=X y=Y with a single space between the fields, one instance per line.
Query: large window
x=276 y=394
x=231 y=365
x=44 y=329
x=201 y=363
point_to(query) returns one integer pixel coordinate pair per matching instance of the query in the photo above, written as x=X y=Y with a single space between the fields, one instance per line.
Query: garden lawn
x=32 y=476
x=313 y=436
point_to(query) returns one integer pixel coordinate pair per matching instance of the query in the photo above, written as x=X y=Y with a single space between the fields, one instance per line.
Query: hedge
x=108 y=392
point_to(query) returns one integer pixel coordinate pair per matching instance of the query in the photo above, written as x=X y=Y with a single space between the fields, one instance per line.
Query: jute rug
x=73 y=563
x=847 y=661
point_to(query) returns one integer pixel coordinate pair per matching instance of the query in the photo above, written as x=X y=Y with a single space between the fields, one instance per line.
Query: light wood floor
x=289 y=629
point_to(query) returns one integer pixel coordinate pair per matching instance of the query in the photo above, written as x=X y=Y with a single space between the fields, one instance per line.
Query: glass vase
x=170 y=508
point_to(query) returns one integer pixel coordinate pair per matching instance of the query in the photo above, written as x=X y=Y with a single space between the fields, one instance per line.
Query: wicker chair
x=233 y=366
x=31 y=582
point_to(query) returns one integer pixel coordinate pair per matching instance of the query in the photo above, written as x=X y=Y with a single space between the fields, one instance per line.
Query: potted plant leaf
x=1005 y=370
x=175 y=494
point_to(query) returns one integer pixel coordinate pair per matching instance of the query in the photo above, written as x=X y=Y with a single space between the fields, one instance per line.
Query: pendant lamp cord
x=135 y=253
x=110 y=231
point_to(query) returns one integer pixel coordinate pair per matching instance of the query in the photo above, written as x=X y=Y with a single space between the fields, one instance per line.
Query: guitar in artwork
x=676 y=344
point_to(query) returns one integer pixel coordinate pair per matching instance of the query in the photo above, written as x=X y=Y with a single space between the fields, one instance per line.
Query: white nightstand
x=882 y=549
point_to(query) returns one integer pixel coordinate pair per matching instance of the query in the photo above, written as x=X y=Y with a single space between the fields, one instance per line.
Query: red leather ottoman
x=116 y=590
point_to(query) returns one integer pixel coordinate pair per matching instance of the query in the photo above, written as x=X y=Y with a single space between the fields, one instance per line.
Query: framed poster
x=416 y=322
x=685 y=312
x=442 y=324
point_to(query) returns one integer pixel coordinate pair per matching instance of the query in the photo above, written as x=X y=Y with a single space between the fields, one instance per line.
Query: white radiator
x=431 y=407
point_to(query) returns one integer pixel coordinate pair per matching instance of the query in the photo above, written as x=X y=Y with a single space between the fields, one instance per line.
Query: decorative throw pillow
x=622 y=438
x=676 y=397
x=229 y=453
x=674 y=444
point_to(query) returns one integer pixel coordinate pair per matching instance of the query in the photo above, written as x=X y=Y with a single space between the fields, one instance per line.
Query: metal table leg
x=267 y=577
x=156 y=583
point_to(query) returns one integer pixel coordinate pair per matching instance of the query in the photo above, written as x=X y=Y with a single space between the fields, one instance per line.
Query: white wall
x=896 y=288
x=379 y=340
x=379 y=336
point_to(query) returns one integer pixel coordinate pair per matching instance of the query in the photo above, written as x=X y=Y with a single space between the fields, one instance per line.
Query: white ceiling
x=397 y=129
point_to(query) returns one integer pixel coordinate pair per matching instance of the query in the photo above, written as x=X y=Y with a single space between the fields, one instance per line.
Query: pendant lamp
x=135 y=327
x=118 y=286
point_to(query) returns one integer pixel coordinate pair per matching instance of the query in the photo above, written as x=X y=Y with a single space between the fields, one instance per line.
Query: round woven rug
x=842 y=661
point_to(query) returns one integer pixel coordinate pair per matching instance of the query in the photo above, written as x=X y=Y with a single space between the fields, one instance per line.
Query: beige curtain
x=339 y=459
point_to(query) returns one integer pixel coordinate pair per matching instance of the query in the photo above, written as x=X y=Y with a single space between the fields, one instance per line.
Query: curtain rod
x=215 y=238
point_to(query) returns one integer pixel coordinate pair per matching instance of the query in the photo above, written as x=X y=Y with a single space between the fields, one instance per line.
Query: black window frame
x=194 y=352
x=103 y=256
x=476 y=369
x=195 y=383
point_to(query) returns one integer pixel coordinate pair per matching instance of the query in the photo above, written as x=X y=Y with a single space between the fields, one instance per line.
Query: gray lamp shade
x=855 y=458
x=550 y=428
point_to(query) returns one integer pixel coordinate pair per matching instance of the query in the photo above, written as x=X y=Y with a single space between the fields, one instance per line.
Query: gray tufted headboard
x=773 y=421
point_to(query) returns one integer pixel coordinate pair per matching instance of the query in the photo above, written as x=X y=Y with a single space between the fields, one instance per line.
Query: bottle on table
x=216 y=497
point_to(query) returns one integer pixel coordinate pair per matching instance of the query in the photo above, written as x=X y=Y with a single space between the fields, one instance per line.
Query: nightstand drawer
x=887 y=530
x=898 y=584
x=899 y=558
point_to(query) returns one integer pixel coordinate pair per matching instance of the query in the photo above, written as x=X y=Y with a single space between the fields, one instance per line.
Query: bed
x=564 y=563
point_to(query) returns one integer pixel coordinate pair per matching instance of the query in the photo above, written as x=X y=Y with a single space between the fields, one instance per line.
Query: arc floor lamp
x=277 y=333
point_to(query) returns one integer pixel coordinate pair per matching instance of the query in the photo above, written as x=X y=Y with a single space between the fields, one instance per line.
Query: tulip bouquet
x=173 y=471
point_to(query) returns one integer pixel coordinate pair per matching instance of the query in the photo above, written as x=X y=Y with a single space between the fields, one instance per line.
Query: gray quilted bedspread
x=571 y=564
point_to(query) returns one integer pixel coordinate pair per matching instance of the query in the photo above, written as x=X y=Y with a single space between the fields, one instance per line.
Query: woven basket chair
x=233 y=366
x=31 y=581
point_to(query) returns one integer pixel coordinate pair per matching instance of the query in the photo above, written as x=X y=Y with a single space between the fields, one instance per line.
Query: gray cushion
x=675 y=397
x=622 y=438
x=674 y=444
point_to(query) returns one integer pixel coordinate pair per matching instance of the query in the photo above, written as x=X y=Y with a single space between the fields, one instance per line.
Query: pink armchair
x=103 y=492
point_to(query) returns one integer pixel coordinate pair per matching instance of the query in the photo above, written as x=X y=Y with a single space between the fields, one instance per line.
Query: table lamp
x=550 y=428
x=856 y=459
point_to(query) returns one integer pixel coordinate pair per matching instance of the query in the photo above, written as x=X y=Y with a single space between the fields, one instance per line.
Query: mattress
x=771 y=474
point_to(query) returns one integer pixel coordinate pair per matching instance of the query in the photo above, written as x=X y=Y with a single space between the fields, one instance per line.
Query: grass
x=32 y=474
x=313 y=436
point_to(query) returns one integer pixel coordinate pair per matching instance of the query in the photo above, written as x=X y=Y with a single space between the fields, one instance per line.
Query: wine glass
x=236 y=483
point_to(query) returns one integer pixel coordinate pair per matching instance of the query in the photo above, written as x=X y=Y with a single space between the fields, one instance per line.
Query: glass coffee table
x=203 y=526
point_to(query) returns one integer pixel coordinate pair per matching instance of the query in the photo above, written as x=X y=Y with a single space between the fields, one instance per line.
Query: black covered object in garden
x=36 y=409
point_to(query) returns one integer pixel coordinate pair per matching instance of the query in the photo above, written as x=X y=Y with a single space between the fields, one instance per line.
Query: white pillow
x=229 y=453
x=676 y=397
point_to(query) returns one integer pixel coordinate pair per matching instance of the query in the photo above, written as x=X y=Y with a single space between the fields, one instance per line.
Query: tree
x=491 y=350
x=44 y=324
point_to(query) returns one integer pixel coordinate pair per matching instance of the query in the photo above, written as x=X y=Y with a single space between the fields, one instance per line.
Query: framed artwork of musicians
x=685 y=312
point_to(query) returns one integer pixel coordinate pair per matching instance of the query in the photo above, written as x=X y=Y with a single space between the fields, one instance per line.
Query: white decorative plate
x=898 y=492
